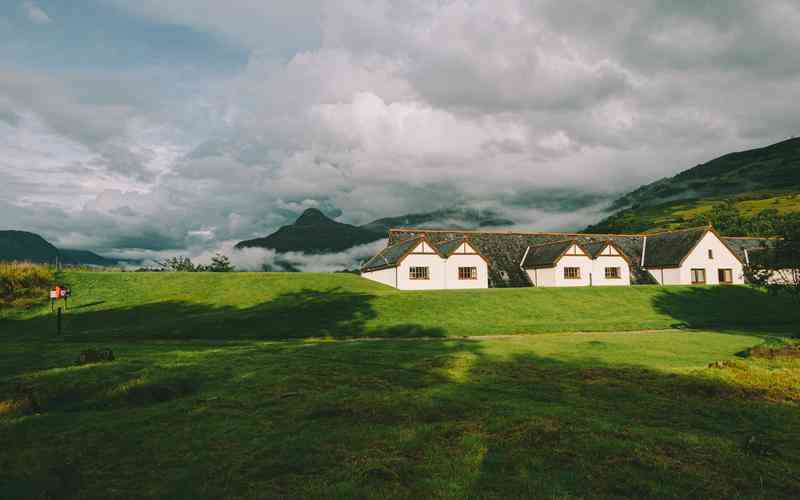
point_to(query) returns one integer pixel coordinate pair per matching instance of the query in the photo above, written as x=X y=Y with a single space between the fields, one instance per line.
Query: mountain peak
x=312 y=216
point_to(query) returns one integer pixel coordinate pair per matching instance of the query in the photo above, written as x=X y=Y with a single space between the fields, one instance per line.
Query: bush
x=22 y=280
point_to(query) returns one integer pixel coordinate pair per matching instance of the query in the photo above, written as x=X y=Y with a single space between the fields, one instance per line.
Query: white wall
x=584 y=262
x=455 y=261
x=599 y=266
x=436 y=272
x=544 y=277
x=698 y=259
x=666 y=276
x=385 y=276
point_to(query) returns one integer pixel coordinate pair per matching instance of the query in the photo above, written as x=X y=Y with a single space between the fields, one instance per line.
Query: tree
x=776 y=267
x=178 y=264
x=220 y=264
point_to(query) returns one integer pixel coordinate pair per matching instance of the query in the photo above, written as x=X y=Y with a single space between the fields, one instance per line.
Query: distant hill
x=456 y=218
x=25 y=246
x=85 y=257
x=313 y=232
x=30 y=247
x=763 y=182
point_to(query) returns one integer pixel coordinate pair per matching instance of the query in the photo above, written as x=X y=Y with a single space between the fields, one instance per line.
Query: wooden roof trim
x=464 y=239
x=618 y=249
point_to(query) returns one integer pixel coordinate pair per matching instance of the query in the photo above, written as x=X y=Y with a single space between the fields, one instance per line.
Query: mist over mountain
x=31 y=247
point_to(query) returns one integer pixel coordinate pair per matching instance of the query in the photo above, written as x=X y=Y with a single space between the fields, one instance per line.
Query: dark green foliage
x=776 y=267
x=180 y=263
x=220 y=264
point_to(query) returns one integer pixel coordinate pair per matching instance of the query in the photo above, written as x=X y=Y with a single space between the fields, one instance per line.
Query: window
x=572 y=273
x=612 y=273
x=419 y=273
x=467 y=273
x=726 y=276
x=711 y=254
x=698 y=276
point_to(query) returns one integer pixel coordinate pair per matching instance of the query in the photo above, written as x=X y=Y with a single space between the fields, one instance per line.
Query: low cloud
x=35 y=13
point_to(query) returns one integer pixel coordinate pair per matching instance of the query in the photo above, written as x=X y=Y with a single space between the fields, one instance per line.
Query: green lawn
x=294 y=305
x=203 y=401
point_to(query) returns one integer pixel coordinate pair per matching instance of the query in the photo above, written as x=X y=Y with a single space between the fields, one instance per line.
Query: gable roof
x=505 y=250
x=547 y=254
x=668 y=249
x=392 y=255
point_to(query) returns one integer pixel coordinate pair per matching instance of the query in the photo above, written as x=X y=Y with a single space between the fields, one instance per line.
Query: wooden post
x=58 y=321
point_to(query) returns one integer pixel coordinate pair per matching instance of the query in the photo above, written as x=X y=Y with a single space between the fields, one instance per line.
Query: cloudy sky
x=156 y=126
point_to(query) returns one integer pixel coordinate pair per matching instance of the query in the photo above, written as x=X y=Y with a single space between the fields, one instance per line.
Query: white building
x=418 y=264
x=426 y=259
x=691 y=257
x=569 y=263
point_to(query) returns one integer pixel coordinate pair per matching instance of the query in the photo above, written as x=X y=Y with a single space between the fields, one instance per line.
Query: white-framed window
x=467 y=273
x=613 y=273
x=698 y=276
x=419 y=273
x=572 y=273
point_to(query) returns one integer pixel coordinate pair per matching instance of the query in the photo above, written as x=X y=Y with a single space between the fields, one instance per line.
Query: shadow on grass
x=303 y=314
x=439 y=419
x=731 y=307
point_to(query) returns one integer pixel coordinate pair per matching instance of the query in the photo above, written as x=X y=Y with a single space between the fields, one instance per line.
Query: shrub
x=23 y=280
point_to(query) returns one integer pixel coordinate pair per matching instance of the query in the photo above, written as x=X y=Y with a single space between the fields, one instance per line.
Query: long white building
x=426 y=259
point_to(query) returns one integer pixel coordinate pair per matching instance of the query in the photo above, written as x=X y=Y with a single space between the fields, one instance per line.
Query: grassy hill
x=754 y=183
x=289 y=305
x=202 y=401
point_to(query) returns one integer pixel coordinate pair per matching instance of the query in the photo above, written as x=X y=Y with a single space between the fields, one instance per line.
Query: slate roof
x=668 y=249
x=505 y=249
x=392 y=254
x=740 y=245
x=447 y=248
x=546 y=254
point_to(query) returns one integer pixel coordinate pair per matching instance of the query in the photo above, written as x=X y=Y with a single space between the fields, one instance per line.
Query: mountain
x=456 y=218
x=25 y=246
x=313 y=232
x=85 y=257
x=752 y=186
x=30 y=247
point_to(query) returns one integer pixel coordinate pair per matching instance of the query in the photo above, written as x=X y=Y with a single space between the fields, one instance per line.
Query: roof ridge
x=553 y=243
x=521 y=233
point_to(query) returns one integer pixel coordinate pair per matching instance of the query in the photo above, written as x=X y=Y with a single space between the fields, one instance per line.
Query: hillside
x=456 y=218
x=30 y=247
x=25 y=246
x=763 y=182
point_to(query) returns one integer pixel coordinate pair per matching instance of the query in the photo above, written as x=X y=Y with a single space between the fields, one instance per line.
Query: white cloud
x=382 y=108
x=35 y=13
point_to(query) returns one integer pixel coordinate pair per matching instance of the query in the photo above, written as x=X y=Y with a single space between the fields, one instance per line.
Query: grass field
x=271 y=306
x=205 y=401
